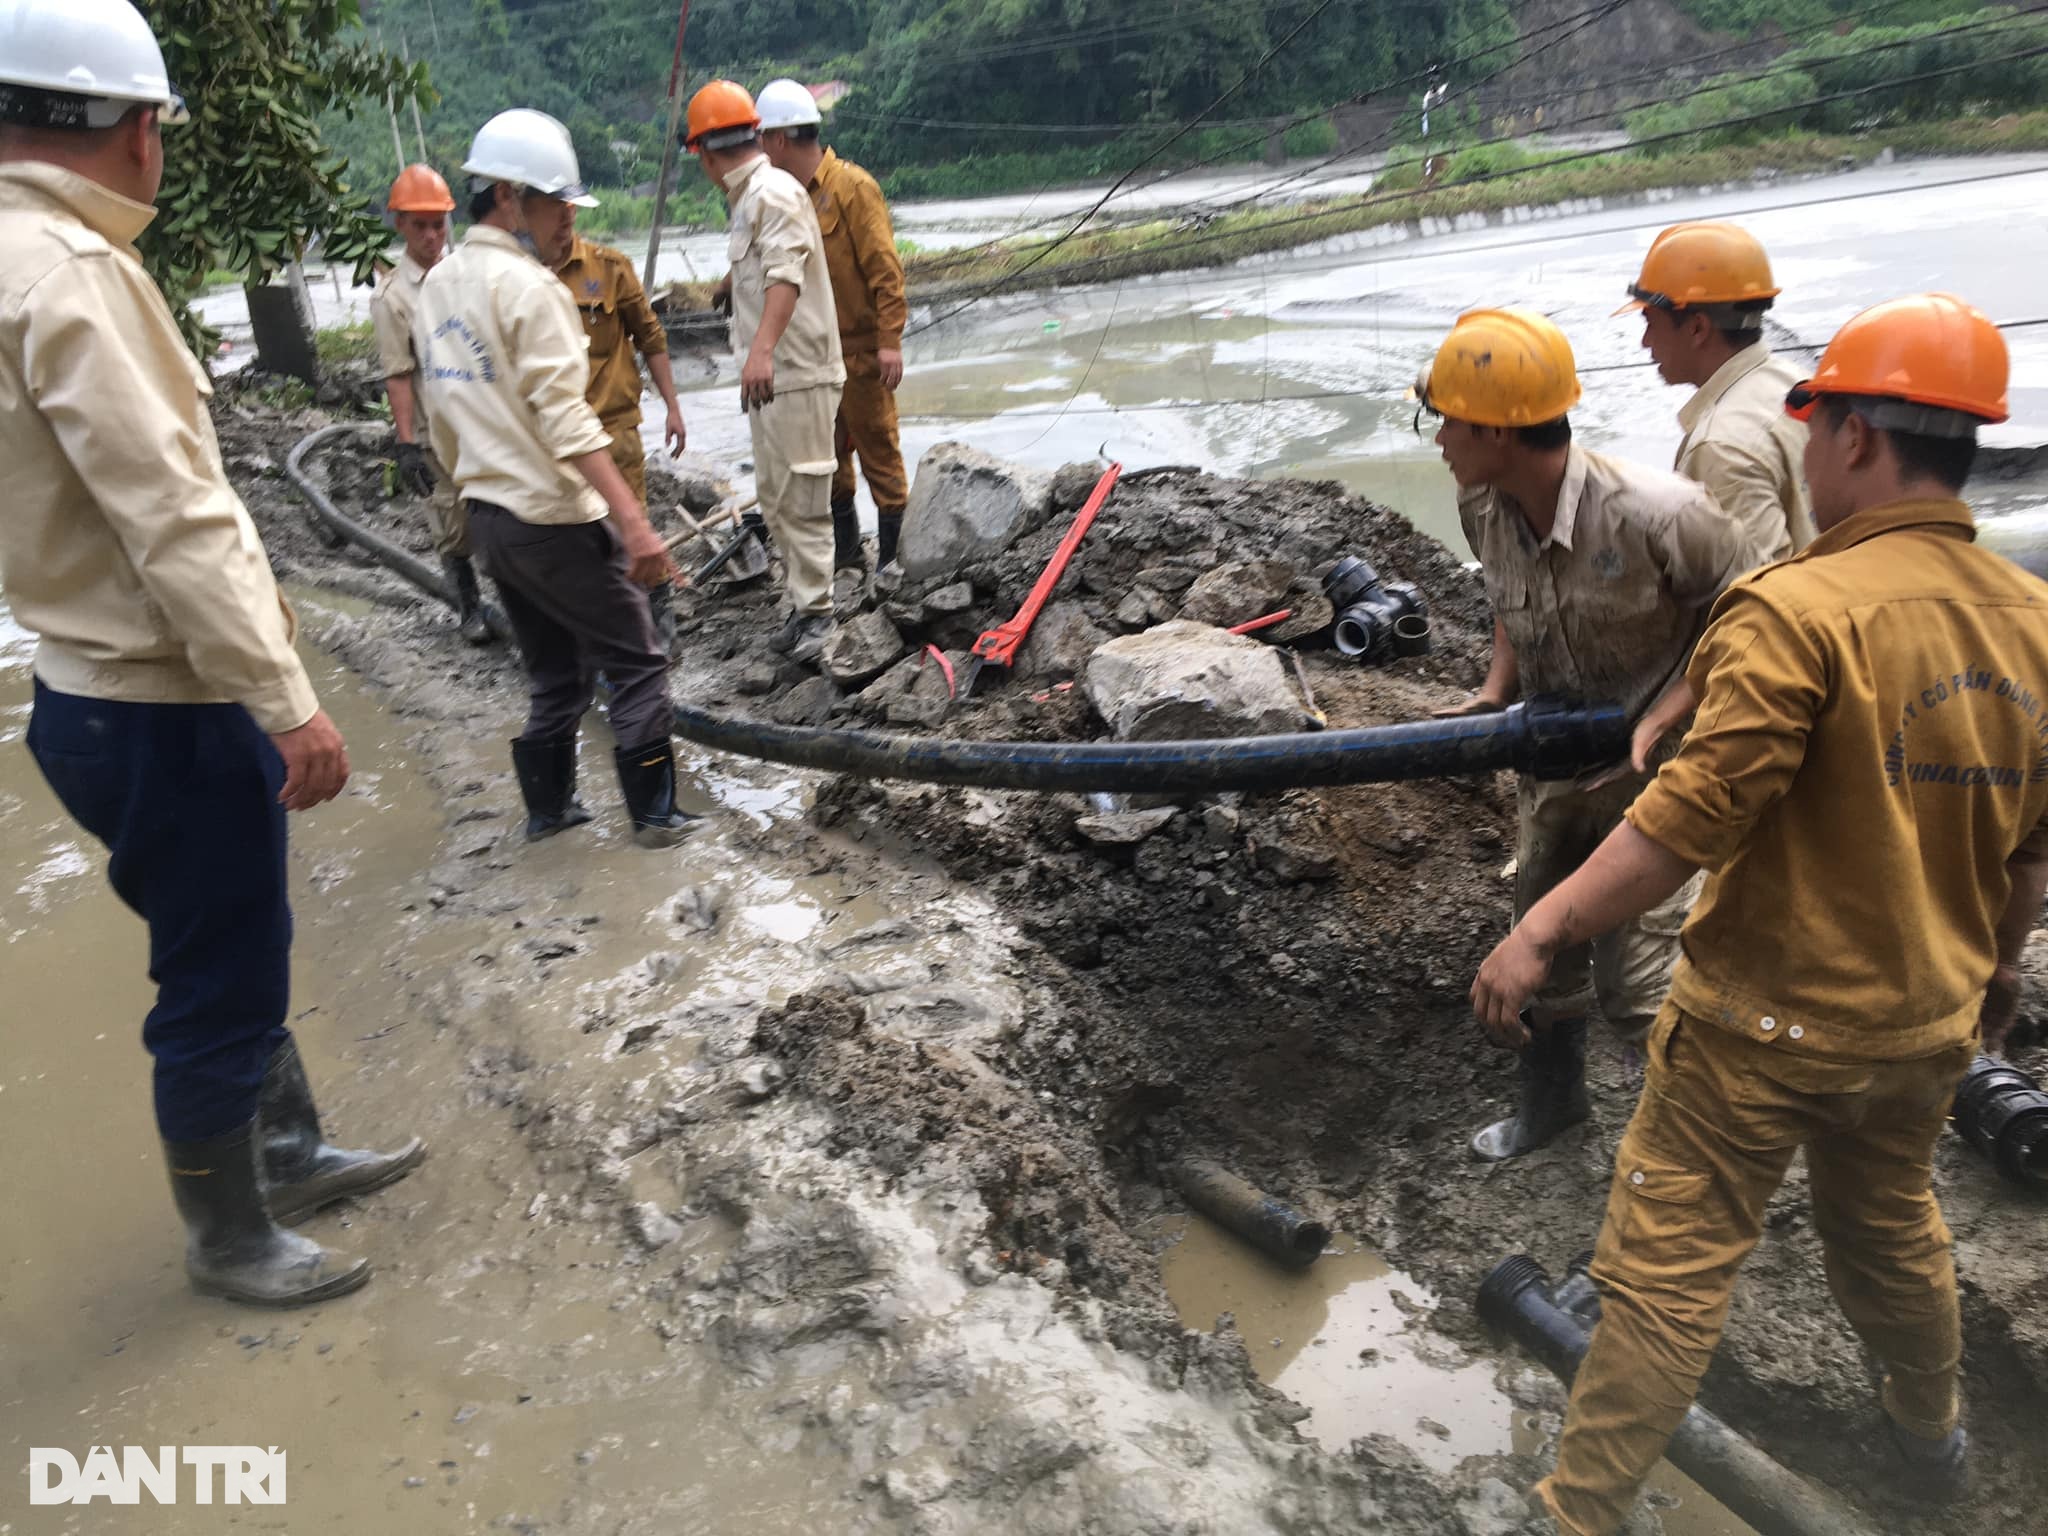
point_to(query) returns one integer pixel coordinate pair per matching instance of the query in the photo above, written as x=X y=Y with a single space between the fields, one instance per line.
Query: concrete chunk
x=1185 y=681
x=967 y=505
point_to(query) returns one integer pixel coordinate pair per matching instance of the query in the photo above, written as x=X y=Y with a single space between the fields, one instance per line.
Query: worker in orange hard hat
x=785 y=332
x=420 y=203
x=1601 y=574
x=1865 y=785
x=1702 y=293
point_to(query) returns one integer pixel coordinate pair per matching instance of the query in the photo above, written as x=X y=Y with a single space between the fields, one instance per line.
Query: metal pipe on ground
x=402 y=562
x=1272 y=1226
x=1516 y=1299
x=1546 y=738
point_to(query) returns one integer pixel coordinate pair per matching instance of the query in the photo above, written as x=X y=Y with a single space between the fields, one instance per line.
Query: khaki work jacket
x=123 y=546
x=503 y=369
x=621 y=324
x=860 y=253
x=1740 y=444
x=1871 y=747
x=773 y=238
x=1607 y=607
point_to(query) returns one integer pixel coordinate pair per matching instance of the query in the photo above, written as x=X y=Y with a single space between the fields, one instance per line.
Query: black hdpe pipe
x=1546 y=738
x=1516 y=1299
x=2003 y=1113
x=1272 y=1226
x=402 y=562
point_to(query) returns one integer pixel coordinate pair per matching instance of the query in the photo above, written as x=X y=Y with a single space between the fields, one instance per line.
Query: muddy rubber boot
x=469 y=598
x=888 y=528
x=1934 y=1471
x=1553 y=1094
x=232 y=1247
x=301 y=1172
x=547 y=780
x=813 y=634
x=845 y=537
x=647 y=778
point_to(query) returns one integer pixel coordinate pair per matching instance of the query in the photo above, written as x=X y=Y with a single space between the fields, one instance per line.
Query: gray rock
x=1134 y=612
x=957 y=598
x=1122 y=829
x=810 y=702
x=651 y=1226
x=1312 y=615
x=1220 y=822
x=967 y=505
x=1491 y=1508
x=762 y=1079
x=1292 y=862
x=1172 y=579
x=1237 y=591
x=1185 y=680
x=861 y=650
x=1060 y=643
x=757 y=679
x=1071 y=483
x=913 y=692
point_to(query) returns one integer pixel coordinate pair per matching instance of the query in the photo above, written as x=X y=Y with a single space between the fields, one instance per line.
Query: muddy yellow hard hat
x=1502 y=368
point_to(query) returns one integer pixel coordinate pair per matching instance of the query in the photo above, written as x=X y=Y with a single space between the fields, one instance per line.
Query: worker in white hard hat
x=172 y=718
x=785 y=333
x=867 y=291
x=504 y=369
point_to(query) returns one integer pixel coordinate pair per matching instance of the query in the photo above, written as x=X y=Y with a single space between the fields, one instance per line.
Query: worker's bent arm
x=1503 y=683
x=549 y=363
x=109 y=373
x=398 y=388
x=664 y=374
x=2028 y=871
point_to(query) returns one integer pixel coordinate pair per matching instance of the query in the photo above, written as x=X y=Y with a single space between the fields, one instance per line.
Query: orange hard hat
x=723 y=106
x=420 y=189
x=1703 y=266
x=1927 y=363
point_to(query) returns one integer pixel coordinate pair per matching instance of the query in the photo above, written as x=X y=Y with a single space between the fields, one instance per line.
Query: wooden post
x=668 y=149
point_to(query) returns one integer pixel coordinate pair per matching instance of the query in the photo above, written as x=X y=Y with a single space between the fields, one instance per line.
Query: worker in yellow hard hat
x=1702 y=293
x=420 y=203
x=785 y=333
x=1600 y=574
x=1866 y=785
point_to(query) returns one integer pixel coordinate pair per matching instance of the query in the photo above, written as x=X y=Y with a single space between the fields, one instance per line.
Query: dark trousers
x=576 y=613
x=185 y=798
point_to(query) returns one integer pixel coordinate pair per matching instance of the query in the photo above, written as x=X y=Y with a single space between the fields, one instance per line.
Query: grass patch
x=353 y=343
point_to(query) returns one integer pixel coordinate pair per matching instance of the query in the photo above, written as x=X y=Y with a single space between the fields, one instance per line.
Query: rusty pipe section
x=1270 y=1225
x=1516 y=1299
x=1547 y=738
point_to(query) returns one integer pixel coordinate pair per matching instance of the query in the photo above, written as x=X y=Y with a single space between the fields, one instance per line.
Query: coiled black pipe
x=2003 y=1113
x=1516 y=1299
x=402 y=562
x=1547 y=738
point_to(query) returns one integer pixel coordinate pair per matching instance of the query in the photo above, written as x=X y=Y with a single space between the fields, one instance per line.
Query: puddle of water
x=1348 y=1338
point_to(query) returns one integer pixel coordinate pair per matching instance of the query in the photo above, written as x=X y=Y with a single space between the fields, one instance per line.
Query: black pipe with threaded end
x=2003 y=1114
x=1272 y=1226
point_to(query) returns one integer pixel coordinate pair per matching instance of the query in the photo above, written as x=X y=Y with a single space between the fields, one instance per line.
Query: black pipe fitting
x=2003 y=1113
x=1545 y=737
x=1272 y=1226
x=1376 y=620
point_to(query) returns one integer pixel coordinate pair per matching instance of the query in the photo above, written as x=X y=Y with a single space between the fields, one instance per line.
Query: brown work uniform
x=867 y=290
x=1870 y=749
x=1605 y=609
x=622 y=327
x=391 y=312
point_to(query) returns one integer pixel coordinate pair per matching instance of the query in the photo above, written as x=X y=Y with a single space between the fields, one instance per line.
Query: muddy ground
x=901 y=1186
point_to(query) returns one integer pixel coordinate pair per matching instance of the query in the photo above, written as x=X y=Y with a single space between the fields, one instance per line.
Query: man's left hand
x=892 y=367
x=674 y=432
x=757 y=380
x=1506 y=982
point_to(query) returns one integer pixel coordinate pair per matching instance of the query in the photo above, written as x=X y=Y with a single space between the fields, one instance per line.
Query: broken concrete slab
x=1123 y=829
x=966 y=505
x=1236 y=591
x=1183 y=681
x=1060 y=643
x=862 y=649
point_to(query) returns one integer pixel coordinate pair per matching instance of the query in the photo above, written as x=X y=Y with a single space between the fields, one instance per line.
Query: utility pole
x=668 y=148
x=419 y=129
x=397 y=139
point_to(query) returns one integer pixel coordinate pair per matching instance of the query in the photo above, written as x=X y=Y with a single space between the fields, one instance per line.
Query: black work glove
x=414 y=473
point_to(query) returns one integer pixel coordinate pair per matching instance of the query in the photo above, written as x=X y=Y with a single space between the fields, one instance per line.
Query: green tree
x=248 y=183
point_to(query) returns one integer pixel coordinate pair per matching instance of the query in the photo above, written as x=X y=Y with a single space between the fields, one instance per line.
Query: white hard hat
x=79 y=64
x=530 y=148
x=786 y=104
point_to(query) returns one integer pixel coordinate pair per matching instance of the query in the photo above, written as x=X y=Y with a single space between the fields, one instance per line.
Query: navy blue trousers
x=185 y=798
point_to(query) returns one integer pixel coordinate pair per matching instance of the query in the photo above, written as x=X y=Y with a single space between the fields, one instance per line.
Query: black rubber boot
x=547 y=778
x=469 y=598
x=301 y=1172
x=1553 y=1094
x=232 y=1247
x=647 y=778
x=888 y=526
x=1934 y=1471
x=845 y=537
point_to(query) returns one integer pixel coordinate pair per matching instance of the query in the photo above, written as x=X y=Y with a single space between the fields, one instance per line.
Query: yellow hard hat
x=1702 y=266
x=1502 y=368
